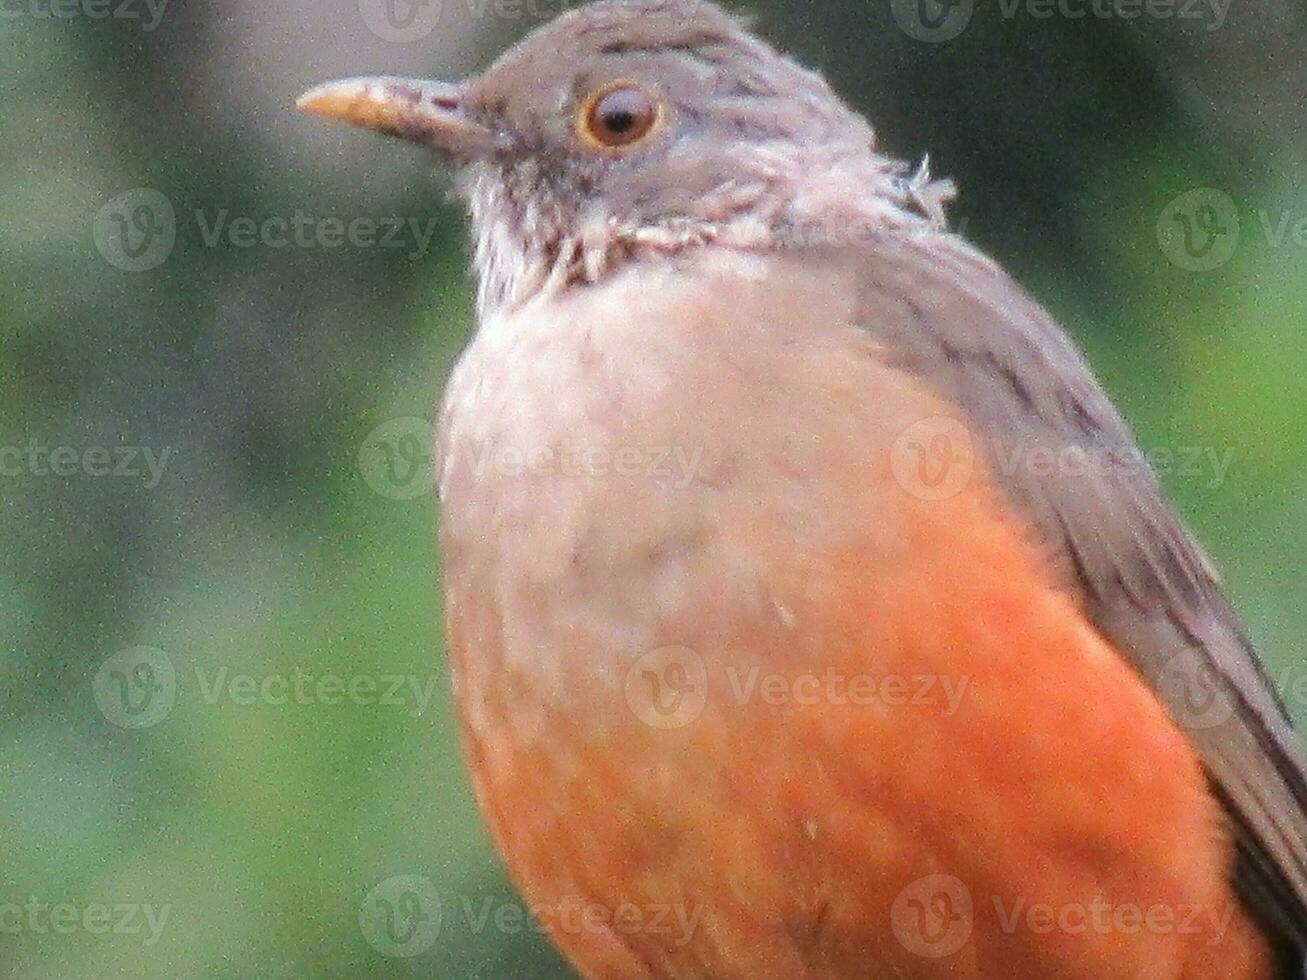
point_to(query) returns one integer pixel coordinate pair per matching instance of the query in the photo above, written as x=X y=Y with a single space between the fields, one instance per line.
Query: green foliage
x=264 y=550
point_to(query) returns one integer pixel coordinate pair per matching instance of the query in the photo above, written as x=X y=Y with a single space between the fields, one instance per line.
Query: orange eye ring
x=618 y=116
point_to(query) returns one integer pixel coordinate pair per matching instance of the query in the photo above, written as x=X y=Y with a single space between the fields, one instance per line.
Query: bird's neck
x=526 y=244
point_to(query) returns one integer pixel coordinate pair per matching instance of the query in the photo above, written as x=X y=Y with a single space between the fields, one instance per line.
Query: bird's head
x=631 y=127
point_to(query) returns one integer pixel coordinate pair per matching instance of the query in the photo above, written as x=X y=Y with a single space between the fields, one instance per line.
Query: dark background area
x=276 y=541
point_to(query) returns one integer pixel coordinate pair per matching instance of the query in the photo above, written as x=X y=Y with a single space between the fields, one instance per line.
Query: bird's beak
x=433 y=114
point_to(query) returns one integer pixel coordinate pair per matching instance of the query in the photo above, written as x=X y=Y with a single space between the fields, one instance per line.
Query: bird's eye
x=618 y=116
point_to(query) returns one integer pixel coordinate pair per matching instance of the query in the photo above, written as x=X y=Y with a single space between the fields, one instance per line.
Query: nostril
x=416 y=94
x=446 y=100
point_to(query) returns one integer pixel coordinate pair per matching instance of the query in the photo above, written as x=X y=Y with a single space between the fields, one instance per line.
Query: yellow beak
x=432 y=114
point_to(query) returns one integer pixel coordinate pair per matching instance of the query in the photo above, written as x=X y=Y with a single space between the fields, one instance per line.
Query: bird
x=811 y=610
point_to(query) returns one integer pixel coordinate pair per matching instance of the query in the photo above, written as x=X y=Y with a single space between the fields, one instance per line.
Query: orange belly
x=801 y=723
x=958 y=780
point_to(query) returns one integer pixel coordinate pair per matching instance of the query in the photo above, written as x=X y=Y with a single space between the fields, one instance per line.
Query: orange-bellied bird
x=811 y=611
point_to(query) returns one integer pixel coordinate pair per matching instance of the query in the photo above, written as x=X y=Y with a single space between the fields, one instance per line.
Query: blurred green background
x=275 y=385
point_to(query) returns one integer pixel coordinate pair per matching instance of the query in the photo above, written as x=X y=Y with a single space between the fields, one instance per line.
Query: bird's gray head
x=635 y=127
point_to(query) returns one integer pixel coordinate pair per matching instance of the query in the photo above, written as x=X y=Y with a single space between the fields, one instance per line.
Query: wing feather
x=955 y=319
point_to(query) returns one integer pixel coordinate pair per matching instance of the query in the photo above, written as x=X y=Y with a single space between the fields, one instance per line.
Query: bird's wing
x=953 y=318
